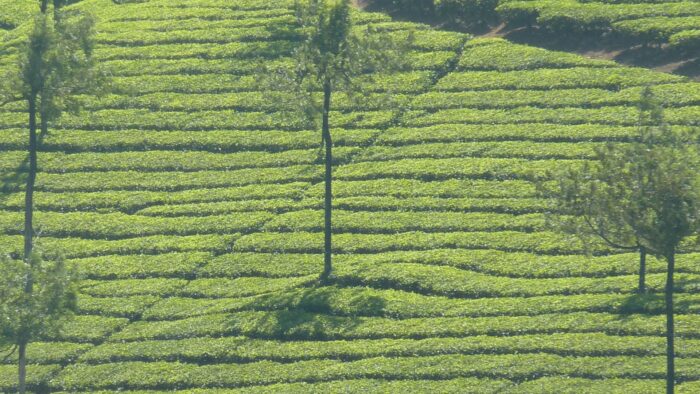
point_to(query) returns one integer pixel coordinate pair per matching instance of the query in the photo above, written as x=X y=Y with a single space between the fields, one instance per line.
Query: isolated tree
x=330 y=56
x=41 y=312
x=646 y=191
x=587 y=201
x=667 y=209
x=54 y=65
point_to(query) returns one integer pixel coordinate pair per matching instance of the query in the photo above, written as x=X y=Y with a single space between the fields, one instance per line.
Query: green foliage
x=435 y=161
x=642 y=193
x=36 y=298
x=640 y=21
x=575 y=77
x=16 y=12
x=499 y=54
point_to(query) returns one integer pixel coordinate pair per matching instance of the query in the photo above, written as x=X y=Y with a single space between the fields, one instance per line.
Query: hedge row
x=455 y=282
x=616 y=115
x=302 y=242
x=79 y=248
x=107 y=28
x=207 y=51
x=174 y=181
x=237 y=349
x=395 y=222
x=409 y=81
x=214 y=141
x=268 y=17
x=540 y=243
x=156 y=161
x=296 y=325
x=50 y=353
x=450 y=188
x=460 y=167
x=539 y=132
x=119 y=225
x=273 y=265
x=656 y=29
x=687 y=40
x=362 y=301
x=252 y=101
x=523 y=265
x=242 y=287
x=520 y=367
x=208 y=120
x=129 y=201
x=139 y=12
x=130 y=307
x=673 y=95
x=187 y=66
x=90 y=329
x=546 y=79
x=572 y=16
x=221 y=35
x=37 y=376
x=502 y=55
x=507 y=149
x=161 y=287
x=432 y=204
x=175 y=265
x=228 y=207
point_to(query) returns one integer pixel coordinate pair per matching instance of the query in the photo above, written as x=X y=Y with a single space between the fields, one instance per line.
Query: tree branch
x=608 y=241
x=8 y=355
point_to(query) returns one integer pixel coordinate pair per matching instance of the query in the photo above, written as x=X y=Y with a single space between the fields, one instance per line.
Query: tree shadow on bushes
x=686 y=300
x=313 y=313
x=603 y=45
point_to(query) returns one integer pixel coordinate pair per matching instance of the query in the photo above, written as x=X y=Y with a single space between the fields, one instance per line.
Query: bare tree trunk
x=31 y=178
x=44 y=6
x=670 y=353
x=22 y=354
x=28 y=233
x=642 y=270
x=326 y=132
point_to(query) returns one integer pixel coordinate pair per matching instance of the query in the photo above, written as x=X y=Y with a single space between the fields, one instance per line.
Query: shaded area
x=592 y=44
x=601 y=46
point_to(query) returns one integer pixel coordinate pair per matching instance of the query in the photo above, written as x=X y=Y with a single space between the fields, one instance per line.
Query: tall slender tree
x=331 y=54
x=55 y=64
x=648 y=189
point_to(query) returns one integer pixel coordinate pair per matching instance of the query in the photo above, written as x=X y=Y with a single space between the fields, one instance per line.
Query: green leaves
x=41 y=311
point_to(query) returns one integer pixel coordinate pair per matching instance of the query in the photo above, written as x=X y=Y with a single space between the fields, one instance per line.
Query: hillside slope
x=191 y=203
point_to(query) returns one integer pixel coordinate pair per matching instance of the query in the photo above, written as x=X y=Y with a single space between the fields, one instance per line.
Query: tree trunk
x=28 y=233
x=326 y=133
x=44 y=6
x=29 y=192
x=642 y=270
x=670 y=354
x=22 y=354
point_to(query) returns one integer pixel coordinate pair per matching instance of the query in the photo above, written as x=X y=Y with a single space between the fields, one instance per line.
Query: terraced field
x=191 y=203
x=674 y=22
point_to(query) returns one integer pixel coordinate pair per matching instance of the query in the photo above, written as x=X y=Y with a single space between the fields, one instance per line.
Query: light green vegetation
x=190 y=201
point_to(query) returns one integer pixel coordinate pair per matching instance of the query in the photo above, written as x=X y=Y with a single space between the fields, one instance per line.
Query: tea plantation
x=191 y=202
x=674 y=22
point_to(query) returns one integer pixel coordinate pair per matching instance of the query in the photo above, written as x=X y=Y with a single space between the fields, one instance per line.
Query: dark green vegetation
x=192 y=204
x=648 y=22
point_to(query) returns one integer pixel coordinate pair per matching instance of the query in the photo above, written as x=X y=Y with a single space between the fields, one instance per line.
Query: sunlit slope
x=191 y=202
